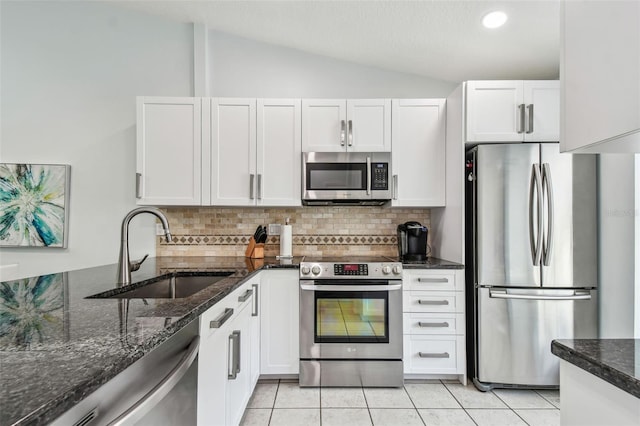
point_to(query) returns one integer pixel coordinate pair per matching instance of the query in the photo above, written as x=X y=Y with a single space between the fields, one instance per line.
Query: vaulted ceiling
x=438 y=39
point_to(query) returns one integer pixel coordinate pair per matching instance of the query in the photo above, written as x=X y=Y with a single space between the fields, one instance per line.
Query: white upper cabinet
x=279 y=152
x=255 y=152
x=233 y=152
x=330 y=125
x=600 y=74
x=418 y=156
x=513 y=111
x=168 y=167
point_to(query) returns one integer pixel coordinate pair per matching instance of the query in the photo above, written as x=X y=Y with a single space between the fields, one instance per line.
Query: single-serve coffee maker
x=412 y=241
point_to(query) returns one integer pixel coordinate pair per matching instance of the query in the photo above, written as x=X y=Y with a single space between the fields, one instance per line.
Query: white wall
x=617 y=267
x=70 y=72
x=239 y=67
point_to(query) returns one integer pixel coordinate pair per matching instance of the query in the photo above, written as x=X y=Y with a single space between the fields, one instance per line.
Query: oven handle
x=311 y=287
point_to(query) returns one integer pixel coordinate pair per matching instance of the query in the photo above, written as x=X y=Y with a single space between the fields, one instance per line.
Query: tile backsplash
x=317 y=231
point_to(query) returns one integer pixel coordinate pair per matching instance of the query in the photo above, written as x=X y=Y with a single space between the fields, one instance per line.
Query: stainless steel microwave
x=346 y=178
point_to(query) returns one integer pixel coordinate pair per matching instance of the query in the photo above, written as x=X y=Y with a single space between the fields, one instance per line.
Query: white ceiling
x=441 y=39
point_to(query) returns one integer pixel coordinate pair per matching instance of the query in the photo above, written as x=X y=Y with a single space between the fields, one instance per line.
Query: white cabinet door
x=599 y=72
x=542 y=110
x=495 y=111
x=418 y=155
x=324 y=125
x=280 y=307
x=239 y=388
x=278 y=152
x=168 y=169
x=255 y=330
x=369 y=125
x=233 y=152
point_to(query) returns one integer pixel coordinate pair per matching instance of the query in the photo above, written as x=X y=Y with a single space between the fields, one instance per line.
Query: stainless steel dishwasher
x=158 y=389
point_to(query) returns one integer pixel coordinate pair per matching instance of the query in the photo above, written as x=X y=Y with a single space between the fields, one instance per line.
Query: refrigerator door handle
x=548 y=240
x=577 y=295
x=536 y=241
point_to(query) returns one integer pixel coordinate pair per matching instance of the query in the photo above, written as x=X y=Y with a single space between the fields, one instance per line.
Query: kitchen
x=94 y=128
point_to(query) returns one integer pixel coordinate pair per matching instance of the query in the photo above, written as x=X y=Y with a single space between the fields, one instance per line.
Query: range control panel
x=371 y=270
x=350 y=269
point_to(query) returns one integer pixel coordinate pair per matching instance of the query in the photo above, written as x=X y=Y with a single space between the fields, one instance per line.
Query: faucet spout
x=124 y=263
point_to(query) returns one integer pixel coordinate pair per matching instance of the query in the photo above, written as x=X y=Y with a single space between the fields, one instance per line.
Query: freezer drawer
x=515 y=328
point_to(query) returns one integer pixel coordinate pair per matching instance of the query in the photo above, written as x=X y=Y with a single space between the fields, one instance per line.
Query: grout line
x=459 y=403
x=414 y=405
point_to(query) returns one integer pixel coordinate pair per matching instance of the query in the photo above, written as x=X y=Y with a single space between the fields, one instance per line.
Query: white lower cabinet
x=280 y=322
x=434 y=324
x=225 y=376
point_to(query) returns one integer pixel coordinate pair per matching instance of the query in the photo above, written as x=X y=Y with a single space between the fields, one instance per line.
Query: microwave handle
x=368 y=175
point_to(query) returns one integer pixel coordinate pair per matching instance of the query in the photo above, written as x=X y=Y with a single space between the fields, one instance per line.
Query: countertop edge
x=613 y=376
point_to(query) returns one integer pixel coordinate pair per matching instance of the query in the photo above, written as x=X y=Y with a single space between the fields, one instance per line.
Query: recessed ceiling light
x=494 y=19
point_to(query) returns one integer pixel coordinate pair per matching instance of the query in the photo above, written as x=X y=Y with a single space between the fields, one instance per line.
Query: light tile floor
x=432 y=402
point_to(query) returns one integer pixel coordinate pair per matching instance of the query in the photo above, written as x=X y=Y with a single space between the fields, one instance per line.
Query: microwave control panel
x=380 y=176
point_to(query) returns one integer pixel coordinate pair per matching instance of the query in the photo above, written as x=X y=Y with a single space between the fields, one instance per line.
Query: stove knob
x=397 y=269
x=316 y=270
x=305 y=270
x=386 y=270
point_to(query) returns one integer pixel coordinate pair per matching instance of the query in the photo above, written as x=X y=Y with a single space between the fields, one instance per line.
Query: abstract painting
x=34 y=205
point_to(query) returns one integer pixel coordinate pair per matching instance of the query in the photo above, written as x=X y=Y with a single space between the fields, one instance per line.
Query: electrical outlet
x=274 y=229
x=159 y=229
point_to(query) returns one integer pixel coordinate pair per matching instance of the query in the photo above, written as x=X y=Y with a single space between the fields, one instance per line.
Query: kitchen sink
x=172 y=287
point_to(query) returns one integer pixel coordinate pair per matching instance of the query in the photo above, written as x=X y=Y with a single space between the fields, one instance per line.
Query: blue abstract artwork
x=34 y=202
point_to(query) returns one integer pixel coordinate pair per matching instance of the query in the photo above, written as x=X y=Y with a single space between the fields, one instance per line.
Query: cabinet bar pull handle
x=234 y=344
x=521 y=114
x=433 y=302
x=254 y=312
x=395 y=187
x=259 y=191
x=217 y=323
x=433 y=355
x=244 y=296
x=138 y=185
x=251 y=179
x=530 y=127
x=342 y=132
x=369 y=175
x=350 y=136
x=433 y=280
x=433 y=324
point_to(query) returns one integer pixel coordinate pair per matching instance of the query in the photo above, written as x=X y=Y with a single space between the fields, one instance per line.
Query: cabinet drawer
x=433 y=301
x=431 y=280
x=220 y=311
x=433 y=354
x=423 y=323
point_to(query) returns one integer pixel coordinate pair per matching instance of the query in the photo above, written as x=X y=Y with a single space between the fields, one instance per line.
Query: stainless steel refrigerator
x=531 y=229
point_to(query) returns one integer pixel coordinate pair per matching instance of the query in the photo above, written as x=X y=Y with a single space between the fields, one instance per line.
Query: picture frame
x=34 y=205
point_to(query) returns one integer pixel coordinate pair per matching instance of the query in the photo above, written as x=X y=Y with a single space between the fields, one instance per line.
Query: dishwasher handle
x=159 y=391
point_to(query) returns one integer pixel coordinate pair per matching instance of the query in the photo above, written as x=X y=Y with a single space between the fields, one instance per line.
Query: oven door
x=350 y=319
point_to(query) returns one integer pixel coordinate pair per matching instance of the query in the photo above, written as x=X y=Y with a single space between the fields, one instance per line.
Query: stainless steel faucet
x=125 y=266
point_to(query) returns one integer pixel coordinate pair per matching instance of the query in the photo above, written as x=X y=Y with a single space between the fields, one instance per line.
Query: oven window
x=351 y=317
x=336 y=176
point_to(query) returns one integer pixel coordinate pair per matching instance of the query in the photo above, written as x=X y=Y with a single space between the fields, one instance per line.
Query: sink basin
x=173 y=287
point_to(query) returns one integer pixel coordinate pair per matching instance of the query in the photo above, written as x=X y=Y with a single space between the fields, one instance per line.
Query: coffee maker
x=412 y=241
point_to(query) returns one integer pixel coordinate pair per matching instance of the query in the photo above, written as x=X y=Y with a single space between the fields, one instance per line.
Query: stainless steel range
x=351 y=322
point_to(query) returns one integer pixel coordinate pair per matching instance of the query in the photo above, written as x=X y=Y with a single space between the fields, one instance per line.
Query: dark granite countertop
x=616 y=361
x=57 y=346
x=432 y=263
